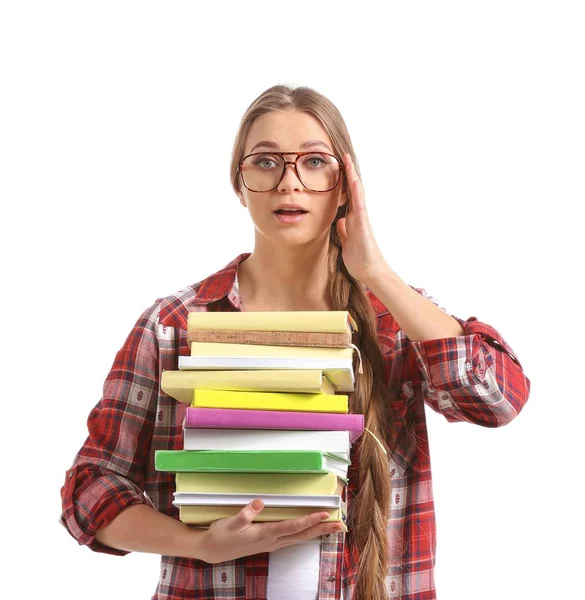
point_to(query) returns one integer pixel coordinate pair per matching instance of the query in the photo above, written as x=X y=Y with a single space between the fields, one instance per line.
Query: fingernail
x=256 y=504
x=324 y=517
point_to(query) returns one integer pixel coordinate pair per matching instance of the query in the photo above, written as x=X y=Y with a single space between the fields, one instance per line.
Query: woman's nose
x=289 y=179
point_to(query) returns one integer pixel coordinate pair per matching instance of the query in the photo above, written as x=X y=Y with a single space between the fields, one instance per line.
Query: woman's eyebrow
x=304 y=145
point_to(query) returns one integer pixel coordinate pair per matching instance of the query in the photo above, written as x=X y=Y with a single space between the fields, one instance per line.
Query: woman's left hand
x=360 y=252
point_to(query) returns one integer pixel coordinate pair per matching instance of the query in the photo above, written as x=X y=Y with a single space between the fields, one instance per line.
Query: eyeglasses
x=317 y=171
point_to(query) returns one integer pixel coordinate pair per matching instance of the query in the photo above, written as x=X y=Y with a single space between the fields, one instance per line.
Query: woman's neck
x=285 y=279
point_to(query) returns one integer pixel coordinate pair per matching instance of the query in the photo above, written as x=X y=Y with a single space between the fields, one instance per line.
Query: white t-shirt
x=293 y=571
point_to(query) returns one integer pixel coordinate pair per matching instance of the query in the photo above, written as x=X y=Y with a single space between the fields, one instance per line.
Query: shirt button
x=70 y=474
x=331 y=578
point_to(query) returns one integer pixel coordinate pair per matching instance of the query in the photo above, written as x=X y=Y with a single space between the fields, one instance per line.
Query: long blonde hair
x=368 y=511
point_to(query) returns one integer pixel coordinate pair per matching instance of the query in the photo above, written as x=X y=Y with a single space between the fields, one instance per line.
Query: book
x=180 y=384
x=315 y=321
x=260 y=483
x=331 y=442
x=226 y=418
x=240 y=499
x=289 y=352
x=270 y=338
x=339 y=372
x=250 y=461
x=275 y=401
x=204 y=515
x=337 y=363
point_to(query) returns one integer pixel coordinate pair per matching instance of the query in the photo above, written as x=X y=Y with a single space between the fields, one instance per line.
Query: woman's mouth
x=290 y=216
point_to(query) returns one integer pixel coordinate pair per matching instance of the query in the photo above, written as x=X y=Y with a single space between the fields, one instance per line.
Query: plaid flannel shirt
x=475 y=377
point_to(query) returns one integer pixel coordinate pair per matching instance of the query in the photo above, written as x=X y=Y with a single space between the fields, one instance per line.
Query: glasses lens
x=318 y=172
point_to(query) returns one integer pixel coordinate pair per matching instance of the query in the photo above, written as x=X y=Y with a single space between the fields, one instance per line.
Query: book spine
x=265 y=439
x=280 y=461
x=311 y=321
x=222 y=418
x=313 y=403
x=277 y=500
x=260 y=483
x=180 y=384
x=270 y=338
x=203 y=515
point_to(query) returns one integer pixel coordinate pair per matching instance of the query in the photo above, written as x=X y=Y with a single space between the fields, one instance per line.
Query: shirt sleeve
x=108 y=472
x=475 y=377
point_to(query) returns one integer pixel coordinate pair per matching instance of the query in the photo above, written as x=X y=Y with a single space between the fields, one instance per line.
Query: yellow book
x=259 y=351
x=315 y=321
x=304 y=484
x=180 y=384
x=204 y=515
x=336 y=363
x=326 y=403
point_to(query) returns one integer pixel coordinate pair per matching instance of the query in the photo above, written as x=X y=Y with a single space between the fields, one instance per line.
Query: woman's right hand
x=237 y=536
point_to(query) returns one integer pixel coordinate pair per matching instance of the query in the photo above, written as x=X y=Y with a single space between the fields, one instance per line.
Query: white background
x=116 y=125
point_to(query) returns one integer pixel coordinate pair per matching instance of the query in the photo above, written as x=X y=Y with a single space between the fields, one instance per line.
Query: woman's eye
x=315 y=161
x=265 y=162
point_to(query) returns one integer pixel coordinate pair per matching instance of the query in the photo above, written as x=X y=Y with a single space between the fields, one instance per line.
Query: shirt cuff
x=92 y=500
x=461 y=361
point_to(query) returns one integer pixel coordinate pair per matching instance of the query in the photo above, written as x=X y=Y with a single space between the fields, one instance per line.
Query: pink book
x=228 y=418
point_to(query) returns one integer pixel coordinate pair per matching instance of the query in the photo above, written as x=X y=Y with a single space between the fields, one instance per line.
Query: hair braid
x=368 y=511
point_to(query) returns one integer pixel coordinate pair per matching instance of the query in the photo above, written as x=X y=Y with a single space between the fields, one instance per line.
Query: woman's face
x=288 y=130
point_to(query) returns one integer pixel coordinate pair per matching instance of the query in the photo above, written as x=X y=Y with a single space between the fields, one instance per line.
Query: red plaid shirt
x=475 y=377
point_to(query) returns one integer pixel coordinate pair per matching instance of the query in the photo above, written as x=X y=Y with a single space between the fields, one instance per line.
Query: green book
x=250 y=461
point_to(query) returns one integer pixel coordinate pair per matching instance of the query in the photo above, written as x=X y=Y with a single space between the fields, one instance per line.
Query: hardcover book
x=274 y=401
x=319 y=321
x=241 y=499
x=250 y=461
x=180 y=384
x=204 y=515
x=335 y=362
x=260 y=483
x=331 y=442
x=226 y=418
x=270 y=338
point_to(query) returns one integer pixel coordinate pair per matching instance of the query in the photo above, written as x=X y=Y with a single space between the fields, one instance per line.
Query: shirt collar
x=175 y=309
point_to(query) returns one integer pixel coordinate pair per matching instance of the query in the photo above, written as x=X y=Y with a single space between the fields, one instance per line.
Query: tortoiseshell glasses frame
x=294 y=163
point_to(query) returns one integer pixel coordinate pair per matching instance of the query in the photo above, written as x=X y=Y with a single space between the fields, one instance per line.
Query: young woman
x=294 y=169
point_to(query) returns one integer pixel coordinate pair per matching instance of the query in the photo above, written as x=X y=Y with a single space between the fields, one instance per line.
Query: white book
x=338 y=370
x=334 y=464
x=239 y=499
x=333 y=442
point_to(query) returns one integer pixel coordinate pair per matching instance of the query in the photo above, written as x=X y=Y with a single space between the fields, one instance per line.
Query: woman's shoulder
x=173 y=309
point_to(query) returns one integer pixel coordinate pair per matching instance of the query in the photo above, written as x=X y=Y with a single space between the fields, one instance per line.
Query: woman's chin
x=294 y=238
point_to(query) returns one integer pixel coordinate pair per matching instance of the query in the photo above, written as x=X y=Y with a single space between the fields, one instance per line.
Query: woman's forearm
x=141 y=528
x=419 y=318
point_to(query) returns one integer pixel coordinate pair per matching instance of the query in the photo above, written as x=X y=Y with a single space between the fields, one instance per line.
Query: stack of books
x=267 y=414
